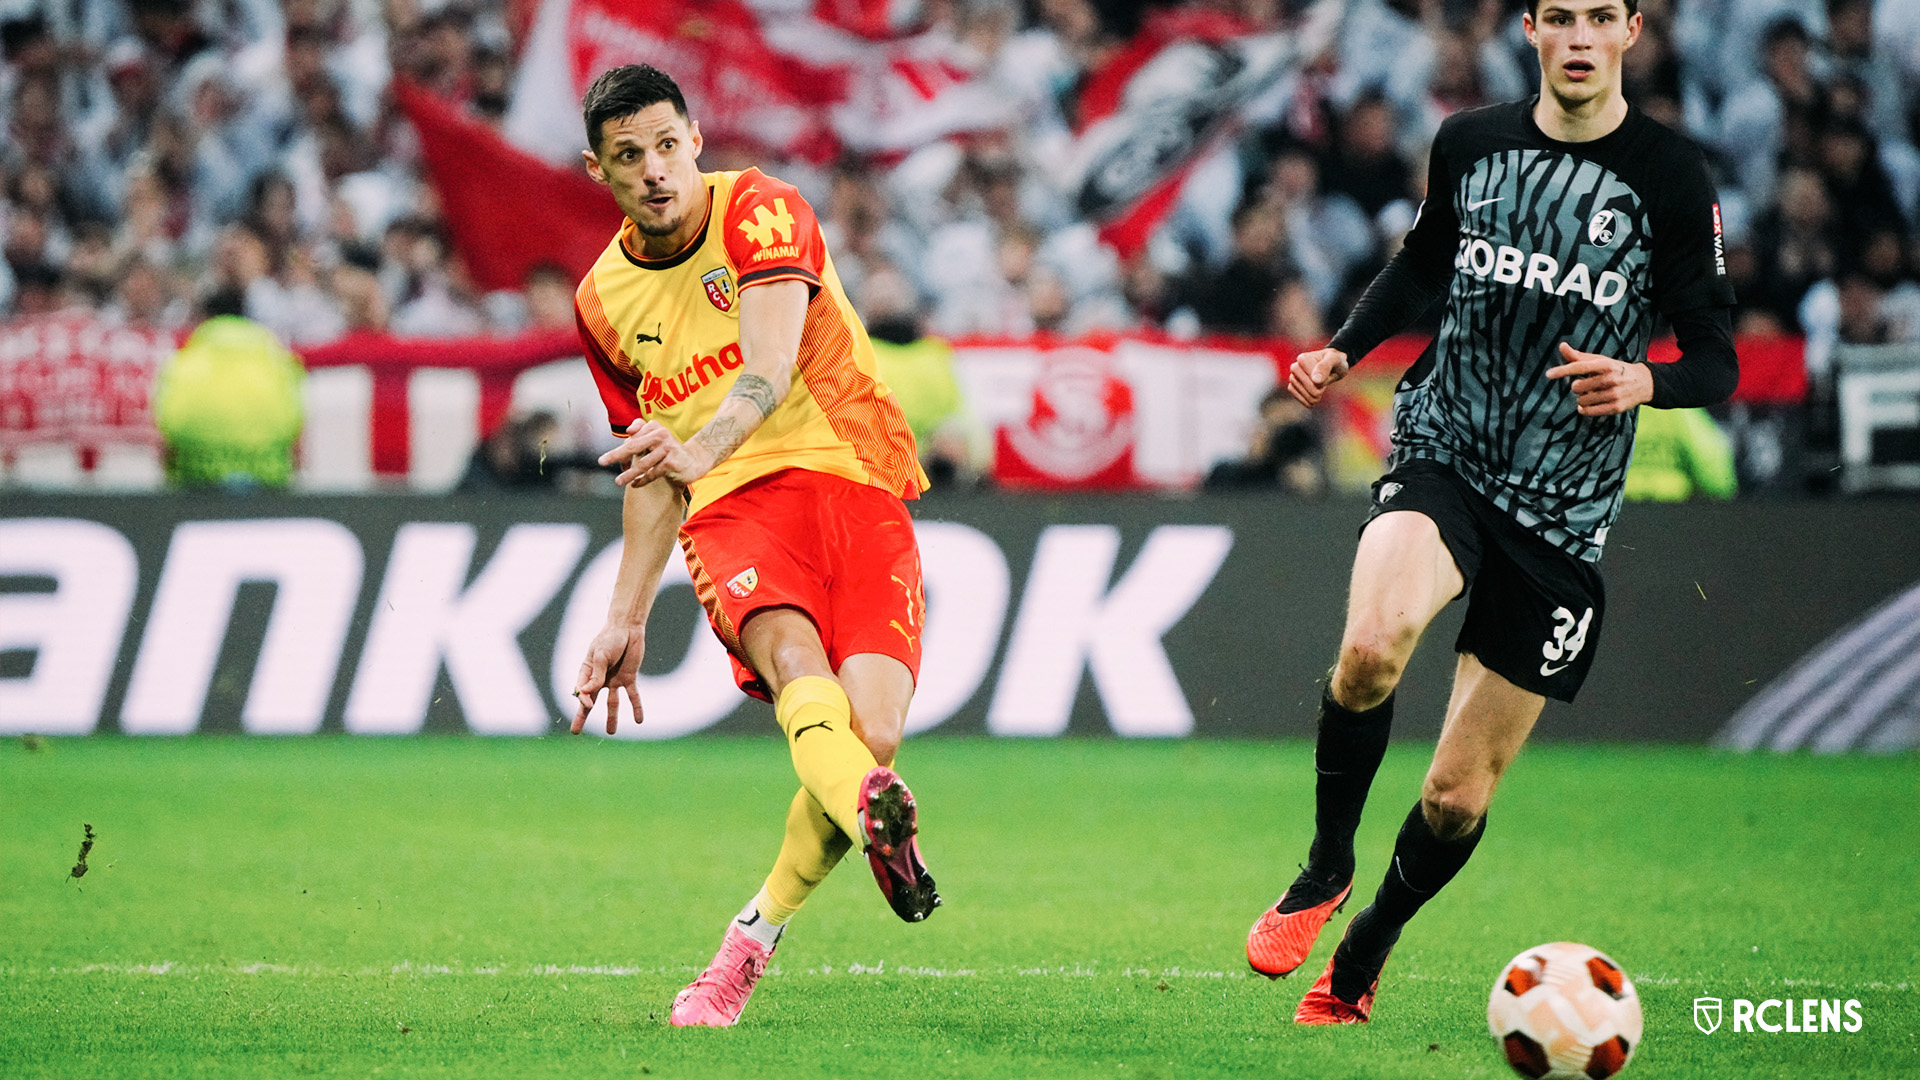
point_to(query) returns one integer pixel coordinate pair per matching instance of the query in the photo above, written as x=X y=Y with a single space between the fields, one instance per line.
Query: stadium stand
x=1055 y=169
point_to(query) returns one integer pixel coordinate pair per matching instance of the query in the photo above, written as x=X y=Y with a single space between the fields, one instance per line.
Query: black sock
x=1422 y=865
x=1345 y=758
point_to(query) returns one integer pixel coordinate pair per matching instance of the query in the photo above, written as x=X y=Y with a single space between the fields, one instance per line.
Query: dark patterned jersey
x=1549 y=242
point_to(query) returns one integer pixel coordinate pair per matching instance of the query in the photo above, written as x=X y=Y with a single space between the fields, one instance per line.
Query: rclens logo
x=1801 y=1016
x=658 y=393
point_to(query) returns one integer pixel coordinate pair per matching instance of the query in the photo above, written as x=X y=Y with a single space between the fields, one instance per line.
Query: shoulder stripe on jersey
x=594 y=315
x=779 y=273
x=873 y=425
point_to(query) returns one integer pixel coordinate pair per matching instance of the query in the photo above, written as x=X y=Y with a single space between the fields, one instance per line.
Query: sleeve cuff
x=779 y=273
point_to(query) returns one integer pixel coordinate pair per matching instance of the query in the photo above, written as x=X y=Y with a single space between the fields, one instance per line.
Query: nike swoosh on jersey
x=1549 y=669
x=1485 y=202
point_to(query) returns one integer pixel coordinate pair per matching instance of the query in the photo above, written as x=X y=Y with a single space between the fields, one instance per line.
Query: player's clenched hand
x=652 y=453
x=613 y=665
x=1313 y=372
x=1603 y=386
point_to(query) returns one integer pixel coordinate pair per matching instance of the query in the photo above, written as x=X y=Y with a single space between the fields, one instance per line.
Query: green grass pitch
x=452 y=907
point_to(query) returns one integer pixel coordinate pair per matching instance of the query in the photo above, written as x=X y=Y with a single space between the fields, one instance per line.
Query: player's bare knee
x=795 y=660
x=1451 y=811
x=880 y=729
x=883 y=748
x=1370 y=667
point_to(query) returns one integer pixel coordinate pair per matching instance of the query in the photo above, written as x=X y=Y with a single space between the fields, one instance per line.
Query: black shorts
x=1533 y=611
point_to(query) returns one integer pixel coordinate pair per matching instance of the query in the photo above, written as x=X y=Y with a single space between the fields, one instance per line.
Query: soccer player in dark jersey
x=1558 y=229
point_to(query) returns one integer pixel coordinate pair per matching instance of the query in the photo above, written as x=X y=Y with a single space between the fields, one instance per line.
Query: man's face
x=651 y=161
x=1581 y=43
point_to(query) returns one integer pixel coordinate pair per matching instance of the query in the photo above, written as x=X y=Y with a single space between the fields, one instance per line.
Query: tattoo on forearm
x=757 y=391
x=722 y=437
x=724 y=434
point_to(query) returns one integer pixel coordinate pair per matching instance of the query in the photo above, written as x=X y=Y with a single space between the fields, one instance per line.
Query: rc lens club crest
x=719 y=285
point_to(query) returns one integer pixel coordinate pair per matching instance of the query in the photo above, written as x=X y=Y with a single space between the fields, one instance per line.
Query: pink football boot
x=717 y=996
x=889 y=823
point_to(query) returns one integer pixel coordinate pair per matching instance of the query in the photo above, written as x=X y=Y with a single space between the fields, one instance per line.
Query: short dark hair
x=228 y=301
x=1633 y=8
x=1785 y=28
x=625 y=90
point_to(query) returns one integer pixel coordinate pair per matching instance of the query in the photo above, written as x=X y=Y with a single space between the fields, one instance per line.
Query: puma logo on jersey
x=744 y=583
x=1538 y=270
x=653 y=337
x=767 y=222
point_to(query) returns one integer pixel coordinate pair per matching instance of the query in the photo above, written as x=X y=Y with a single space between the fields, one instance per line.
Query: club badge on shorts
x=743 y=583
x=719 y=285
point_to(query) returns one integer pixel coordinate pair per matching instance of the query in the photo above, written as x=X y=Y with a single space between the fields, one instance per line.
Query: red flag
x=738 y=86
x=1128 y=234
x=507 y=210
x=878 y=20
x=806 y=87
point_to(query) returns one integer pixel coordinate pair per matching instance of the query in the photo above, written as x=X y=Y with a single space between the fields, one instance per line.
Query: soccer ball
x=1565 y=1011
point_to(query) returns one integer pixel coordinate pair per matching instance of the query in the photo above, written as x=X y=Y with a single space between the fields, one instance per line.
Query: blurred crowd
x=170 y=160
x=167 y=155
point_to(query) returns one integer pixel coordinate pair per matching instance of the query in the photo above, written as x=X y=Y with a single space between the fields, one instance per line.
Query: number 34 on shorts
x=1569 y=637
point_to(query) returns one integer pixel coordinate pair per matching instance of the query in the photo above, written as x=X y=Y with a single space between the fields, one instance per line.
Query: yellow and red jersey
x=663 y=339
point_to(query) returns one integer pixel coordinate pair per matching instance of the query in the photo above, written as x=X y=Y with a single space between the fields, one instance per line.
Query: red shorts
x=840 y=552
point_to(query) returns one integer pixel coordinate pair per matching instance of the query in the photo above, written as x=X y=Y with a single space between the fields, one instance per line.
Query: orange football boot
x=1323 y=1006
x=1280 y=942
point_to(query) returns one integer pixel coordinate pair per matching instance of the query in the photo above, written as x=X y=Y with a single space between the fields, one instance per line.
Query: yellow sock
x=829 y=757
x=814 y=845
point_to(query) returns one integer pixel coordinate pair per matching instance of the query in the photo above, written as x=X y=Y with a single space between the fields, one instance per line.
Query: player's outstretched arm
x=1603 y=386
x=772 y=317
x=1312 y=372
x=649 y=521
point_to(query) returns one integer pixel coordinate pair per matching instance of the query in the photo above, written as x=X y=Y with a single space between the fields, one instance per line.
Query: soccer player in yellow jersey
x=757 y=431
